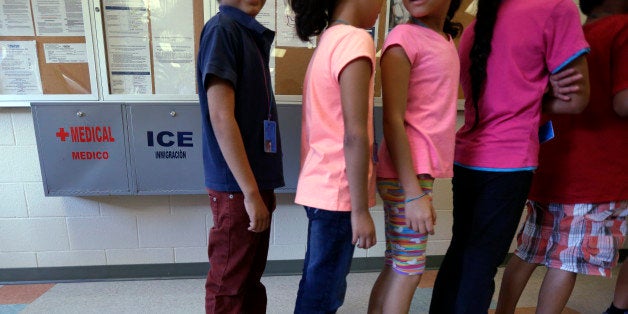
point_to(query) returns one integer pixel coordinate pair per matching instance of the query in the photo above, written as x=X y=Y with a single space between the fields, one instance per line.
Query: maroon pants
x=237 y=257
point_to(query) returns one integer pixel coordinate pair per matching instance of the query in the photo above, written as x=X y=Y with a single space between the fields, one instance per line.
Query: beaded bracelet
x=415 y=198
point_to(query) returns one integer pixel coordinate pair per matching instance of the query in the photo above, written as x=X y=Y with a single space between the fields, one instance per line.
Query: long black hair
x=452 y=28
x=481 y=49
x=312 y=16
x=587 y=6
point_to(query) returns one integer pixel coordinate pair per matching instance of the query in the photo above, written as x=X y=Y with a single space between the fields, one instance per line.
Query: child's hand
x=420 y=215
x=563 y=83
x=363 y=229
x=259 y=217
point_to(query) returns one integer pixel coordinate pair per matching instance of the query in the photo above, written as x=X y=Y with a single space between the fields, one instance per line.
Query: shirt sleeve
x=399 y=37
x=564 y=38
x=354 y=45
x=219 y=54
x=619 y=61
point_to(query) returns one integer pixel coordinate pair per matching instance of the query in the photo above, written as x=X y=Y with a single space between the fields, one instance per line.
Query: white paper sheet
x=16 y=18
x=19 y=68
x=65 y=53
x=58 y=17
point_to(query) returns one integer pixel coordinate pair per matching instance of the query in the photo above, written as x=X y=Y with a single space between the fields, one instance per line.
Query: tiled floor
x=591 y=295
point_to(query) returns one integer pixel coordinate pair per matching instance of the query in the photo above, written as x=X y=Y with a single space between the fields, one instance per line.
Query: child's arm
x=564 y=83
x=395 y=65
x=354 y=85
x=578 y=99
x=221 y=96
x=620 y=103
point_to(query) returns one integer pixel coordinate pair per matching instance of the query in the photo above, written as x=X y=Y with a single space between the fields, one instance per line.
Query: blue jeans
x=487 y=209
x=327 y=262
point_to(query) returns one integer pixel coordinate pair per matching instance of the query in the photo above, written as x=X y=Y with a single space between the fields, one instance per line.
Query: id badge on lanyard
x=270 y=126
x=270 y=136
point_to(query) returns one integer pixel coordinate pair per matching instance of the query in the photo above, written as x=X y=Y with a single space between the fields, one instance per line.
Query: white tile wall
x=134 y=205
x=99 y=233
x=289 y=225
x=23 y=127
x=19 y=164
x=190 y=254
x=13 y=203
x=171 y=230
x=18 y=260
x=286 y=252
x=139 y=256
x=71 y=258
x=183 y=204
x=7 y=135
x=33 y=235
x=41 y=206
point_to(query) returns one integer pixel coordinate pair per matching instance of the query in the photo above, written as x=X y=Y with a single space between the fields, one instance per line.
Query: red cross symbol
x=62 y=134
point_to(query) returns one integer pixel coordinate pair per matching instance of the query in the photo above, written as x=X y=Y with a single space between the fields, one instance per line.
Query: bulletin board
x=292 y=65
x=149 y=48
x=46 y=51
x=139 y=50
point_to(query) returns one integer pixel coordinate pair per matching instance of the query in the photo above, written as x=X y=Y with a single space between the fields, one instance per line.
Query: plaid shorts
x=579 y=238
x=405 y=248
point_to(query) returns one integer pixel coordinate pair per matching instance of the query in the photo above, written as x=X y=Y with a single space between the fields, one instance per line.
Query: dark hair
x=481 y=49
x=312 y=16
x=587 y=6
x=452 y=28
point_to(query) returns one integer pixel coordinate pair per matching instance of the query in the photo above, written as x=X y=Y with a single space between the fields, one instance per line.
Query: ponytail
x=481 y=49
x=450 y=27
x=312 y=16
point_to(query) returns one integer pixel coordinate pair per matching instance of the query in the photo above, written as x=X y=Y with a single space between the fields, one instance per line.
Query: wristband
x=415 y=198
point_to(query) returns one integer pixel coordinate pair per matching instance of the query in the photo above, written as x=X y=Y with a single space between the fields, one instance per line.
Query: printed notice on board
x=128 y=52
x=16 y=19
x=58 y=17
x=286 y=34
x=129 y=67
x=65 y=53
x=173 y=46
x=19 y=70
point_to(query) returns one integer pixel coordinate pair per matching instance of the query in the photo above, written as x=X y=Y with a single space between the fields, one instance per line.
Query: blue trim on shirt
x=495 y=169
x=574 y=57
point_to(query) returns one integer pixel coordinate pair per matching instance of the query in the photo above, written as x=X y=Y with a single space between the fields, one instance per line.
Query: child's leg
x=494 y=202
x=405 y=254
x=533 y=240
x=515 y=278
x=555 y=291
x=621 y=289
x=237 y=256
x=588 y=237
x=255 y=293
x=327 y=262
x=620 y=300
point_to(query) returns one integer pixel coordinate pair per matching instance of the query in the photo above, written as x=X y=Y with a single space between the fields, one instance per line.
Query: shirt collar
x=243 y=19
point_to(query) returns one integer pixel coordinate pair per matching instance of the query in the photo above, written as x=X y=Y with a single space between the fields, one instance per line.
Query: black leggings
x=487 y=210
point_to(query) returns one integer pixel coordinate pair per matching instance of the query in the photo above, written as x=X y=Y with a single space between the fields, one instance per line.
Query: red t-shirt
x=587 y=161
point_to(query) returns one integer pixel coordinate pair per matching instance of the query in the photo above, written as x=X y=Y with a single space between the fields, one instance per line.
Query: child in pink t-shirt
x=336 y=181
x=420 y=75
x=506 y=57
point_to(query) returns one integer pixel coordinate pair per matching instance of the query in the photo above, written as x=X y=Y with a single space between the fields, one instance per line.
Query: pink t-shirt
x=430 y=117
x=532 y=39
x=323 y=180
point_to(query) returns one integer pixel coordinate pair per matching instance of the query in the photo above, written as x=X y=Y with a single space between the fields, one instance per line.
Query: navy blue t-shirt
x=235 y=47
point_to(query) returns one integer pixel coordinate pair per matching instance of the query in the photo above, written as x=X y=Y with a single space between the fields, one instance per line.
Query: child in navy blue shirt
x=241 y=154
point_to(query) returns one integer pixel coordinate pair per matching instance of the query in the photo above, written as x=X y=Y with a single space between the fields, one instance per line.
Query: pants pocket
x=600 y=250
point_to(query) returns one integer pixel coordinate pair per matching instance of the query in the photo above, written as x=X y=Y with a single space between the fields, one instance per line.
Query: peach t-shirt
x=430 y=117
x=323 y=180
